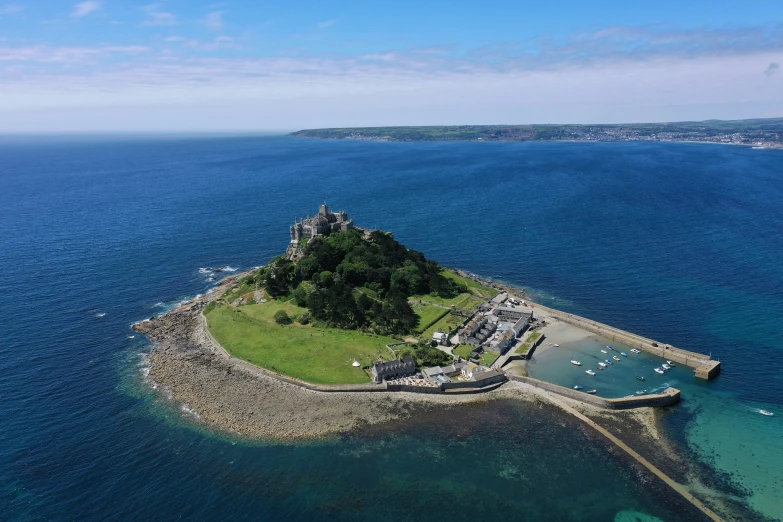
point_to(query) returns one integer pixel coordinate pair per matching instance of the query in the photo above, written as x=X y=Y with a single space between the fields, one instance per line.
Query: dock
x=704 y=367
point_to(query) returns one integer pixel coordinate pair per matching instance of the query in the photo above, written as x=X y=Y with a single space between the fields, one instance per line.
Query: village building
x=438 y=374
x=382 y=371
x=440 y=337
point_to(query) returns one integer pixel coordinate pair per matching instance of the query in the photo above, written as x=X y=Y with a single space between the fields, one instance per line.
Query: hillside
x=767 y=131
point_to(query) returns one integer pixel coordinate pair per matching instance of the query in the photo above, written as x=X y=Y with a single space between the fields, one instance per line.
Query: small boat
x=634 y=350
x=641 y=392
x=608 y=362
x=557 y=346
x=666 y=367
x=670 y=363
x=591 y=391
x=576 y=363
x=767 y=413
x=577 y=387
x=590 y=372
x=615 y=358
x=609 y=347
x=658 y=370
x=640 y=377
x=604 y=351
x=624 y=354
x=602 y=365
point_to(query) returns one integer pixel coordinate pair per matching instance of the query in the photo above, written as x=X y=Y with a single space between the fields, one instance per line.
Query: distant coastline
x=762 y=133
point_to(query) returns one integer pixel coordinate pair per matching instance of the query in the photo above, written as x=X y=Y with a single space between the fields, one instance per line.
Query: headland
x=758 y=133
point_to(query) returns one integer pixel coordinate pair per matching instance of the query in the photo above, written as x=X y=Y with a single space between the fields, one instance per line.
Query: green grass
x=463 y=351
x=486 y=358
x=428 y=315
x=474 y=287
x=317 y=355
x=446 y=323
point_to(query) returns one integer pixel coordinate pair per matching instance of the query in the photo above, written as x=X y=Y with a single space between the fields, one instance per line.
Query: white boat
x=658 y=370
x=666 y=367
x=615 y=358
x=624 y=354
x=602 y=365
x=604 y=351
x=590 y=372
x=634 y=350
x=576 y=363
x=670 y=363
x=608 y=362
x=767 y=413
x=557 y=346
x=591 y=391
x=577 y=387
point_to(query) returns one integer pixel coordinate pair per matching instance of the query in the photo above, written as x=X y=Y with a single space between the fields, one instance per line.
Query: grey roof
x=486 y=375
x=430 y=372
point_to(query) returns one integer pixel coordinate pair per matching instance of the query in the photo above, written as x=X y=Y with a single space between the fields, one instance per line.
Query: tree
x=304 y=318
x=281 y=317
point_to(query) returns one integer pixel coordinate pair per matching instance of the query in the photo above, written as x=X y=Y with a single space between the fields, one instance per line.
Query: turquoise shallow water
x=677 y=242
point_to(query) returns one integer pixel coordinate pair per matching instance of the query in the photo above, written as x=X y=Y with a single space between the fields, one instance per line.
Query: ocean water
x=678 y=242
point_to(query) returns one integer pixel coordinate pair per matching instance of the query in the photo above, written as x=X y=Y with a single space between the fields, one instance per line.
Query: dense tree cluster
x=351 y=282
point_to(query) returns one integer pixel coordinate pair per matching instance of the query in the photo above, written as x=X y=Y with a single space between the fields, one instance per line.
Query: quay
x=704 y=366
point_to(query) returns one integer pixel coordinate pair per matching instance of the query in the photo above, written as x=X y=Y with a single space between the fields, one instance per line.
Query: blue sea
x=678 y=242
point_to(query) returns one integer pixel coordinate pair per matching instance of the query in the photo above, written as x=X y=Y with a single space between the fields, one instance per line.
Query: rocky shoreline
x=233 y=396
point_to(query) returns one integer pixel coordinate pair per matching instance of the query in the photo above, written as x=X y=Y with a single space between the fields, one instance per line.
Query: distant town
x=761 y=133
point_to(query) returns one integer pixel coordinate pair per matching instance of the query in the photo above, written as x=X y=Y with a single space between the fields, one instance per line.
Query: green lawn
x=317 y=355
x=446 y=323
x=486 y=358
x=428 y=314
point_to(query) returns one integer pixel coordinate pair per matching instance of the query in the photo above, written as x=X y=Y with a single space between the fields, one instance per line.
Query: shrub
x=281 y=317
x=303 y=318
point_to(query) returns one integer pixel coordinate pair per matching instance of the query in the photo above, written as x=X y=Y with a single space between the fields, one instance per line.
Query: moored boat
x=576 y=363
x=658 y=370
x=604 y=351
x=615 y=358
x=670 y=363
x=641 y=392
x=641 y=378
x=602 y=365
x=591 y=391
x=609 y=347
x=577 y=387
x=634 y=350
x=608 y=362
x=624 y=354
x=590 y=372
x=666 y=367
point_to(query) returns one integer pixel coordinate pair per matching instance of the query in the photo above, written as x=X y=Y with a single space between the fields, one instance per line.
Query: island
x=759 y=133
x=349 y=328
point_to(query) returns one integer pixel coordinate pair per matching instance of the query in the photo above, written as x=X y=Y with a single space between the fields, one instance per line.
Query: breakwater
x=703 y=365
x=668 y=397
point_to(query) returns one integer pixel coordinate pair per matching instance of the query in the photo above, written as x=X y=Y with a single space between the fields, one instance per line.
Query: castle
x=322 y=224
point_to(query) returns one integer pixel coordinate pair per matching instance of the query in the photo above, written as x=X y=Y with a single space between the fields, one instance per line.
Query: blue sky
x=242 y=65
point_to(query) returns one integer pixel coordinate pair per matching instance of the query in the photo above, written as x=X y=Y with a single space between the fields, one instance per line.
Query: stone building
x=322 y=224
x=393 y=369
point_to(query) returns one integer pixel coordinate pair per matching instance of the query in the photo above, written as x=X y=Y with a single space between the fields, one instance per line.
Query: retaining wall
x=667 y=398
x=705 y=367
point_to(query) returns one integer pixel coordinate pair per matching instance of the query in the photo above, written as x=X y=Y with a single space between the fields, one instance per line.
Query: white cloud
x=157 y=17
x=84 y=8
x=214 y=20
x=327 y=23
x=8 y=9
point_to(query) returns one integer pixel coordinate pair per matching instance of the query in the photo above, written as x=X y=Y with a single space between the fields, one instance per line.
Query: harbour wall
x=668 y=397
x=703 y=365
